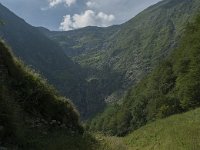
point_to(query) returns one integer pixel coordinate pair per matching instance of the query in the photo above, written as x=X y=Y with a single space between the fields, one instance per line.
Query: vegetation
x=114 y=58
x=28 y=103
x=33 y=115
x=41 y=54
x=120 y=56
x=173 y=87
x=178 y=132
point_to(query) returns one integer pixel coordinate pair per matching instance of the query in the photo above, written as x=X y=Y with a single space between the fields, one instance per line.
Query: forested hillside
x=119 y=56
x=136 y=85
x=92 y=66
x=173 y=87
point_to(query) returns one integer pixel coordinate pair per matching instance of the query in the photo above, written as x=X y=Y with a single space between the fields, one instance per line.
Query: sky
x=73 y=14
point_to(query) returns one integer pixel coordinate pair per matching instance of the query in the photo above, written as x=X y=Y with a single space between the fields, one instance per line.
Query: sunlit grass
x=179 y=132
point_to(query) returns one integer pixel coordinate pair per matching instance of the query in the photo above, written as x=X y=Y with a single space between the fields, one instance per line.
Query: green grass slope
x=172 y=87
x=178 y=132
x=32 y=113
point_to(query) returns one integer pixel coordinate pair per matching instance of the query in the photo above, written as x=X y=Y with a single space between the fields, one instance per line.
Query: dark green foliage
x=10 y=126
x=62 y=140
x=26 y=98
x=172 y=87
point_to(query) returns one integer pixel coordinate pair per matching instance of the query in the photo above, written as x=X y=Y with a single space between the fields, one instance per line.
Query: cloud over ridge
x=88 y=18
x=53 y=3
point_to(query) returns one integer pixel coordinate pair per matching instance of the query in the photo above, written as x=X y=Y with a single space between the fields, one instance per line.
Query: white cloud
x=122 y=9
x=67 y=23
x=53 y=3
x=88 y=18
x=91 y=4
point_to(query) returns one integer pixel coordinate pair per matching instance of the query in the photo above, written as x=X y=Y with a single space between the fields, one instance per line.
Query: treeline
x=173 y=87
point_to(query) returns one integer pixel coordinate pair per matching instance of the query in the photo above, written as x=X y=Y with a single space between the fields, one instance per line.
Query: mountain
x=102 y=63
x=124 y=54
x=29 y=107
x=32 y=113
x=156 y=55
x=81 y=41
x=171 y=88
x=46 y=57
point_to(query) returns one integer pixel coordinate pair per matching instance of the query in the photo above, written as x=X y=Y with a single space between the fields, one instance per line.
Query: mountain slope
x=46 y=56
x=28 y=104
x=112 y=59
x=81 y=41
x=176 y=132
x=172 y=87
x=130 y=50
x=15 y=119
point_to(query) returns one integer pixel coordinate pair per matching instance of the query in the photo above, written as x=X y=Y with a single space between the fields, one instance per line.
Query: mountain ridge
x=130 y=50
x=45 y=56
x=146 y=70
x=106 y=61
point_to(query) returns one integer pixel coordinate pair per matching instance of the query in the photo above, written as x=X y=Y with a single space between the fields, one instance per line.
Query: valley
x=133 y=86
